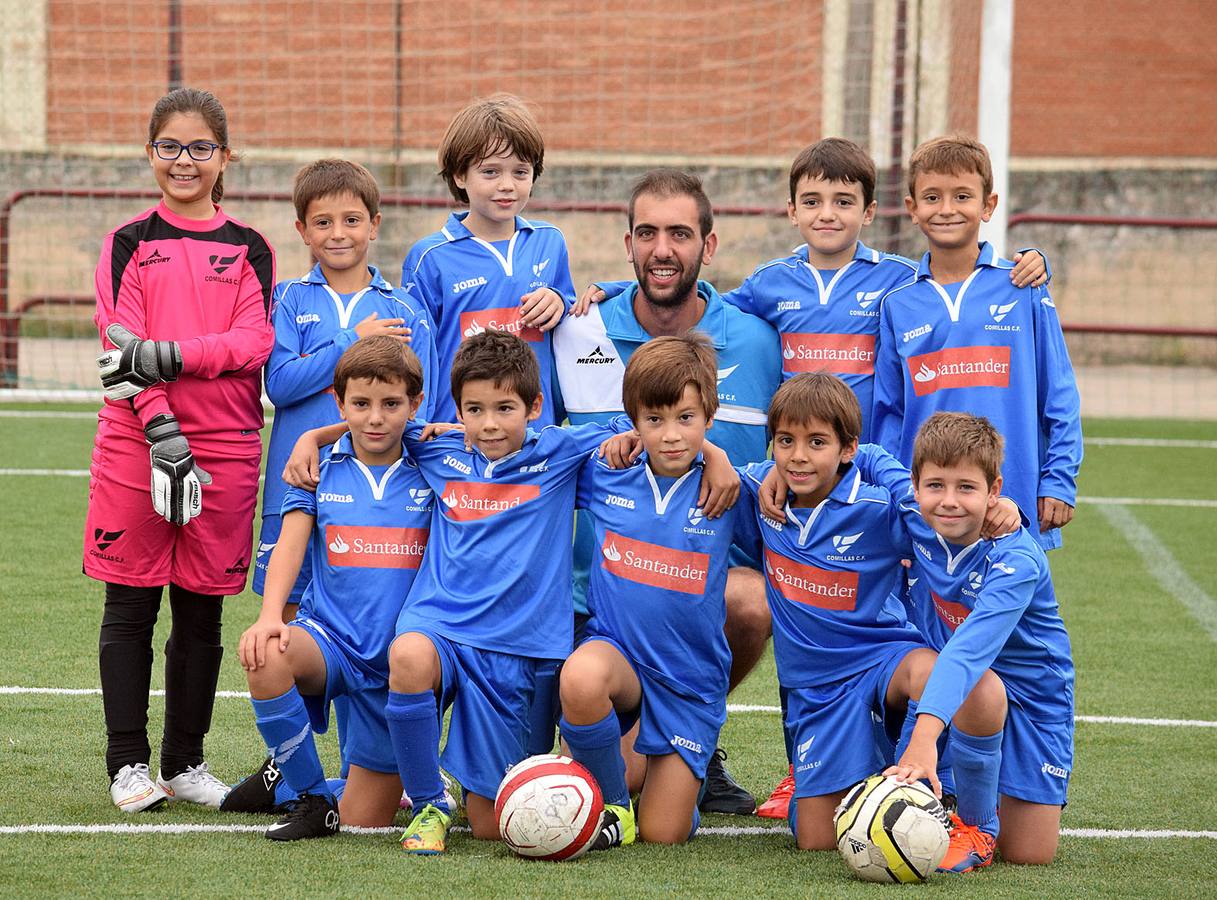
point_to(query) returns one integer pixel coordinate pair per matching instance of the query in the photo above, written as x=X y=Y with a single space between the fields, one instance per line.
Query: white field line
x=1149 y=442
x=715 y=831
x=737 y=708
x=1164 y=567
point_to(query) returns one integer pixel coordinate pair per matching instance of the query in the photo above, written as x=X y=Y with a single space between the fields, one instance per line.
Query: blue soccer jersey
x=658 y=573
x=470 y=285
x=988 y=348
x=371 y=528
x=314 y=325
x=497 y=575
x=989 y=605
x=828 y=322
x=829 y=576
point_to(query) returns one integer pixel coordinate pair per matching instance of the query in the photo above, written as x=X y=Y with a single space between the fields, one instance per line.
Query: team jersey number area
x=505 y=319
x=841 y=354
x=375 y=547
x=960 y=367
x=655 y=565
x=821 y=588
x=466 y=501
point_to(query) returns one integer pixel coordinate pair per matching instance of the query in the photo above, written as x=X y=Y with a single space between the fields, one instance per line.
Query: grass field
x=1136 y=583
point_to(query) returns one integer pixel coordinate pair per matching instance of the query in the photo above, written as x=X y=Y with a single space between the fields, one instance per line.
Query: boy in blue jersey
x=490 y=268
x=317 y=317
x=983 y=604
x=846 y=654
x=367 y=526
x=961 y=337
x=655 y=653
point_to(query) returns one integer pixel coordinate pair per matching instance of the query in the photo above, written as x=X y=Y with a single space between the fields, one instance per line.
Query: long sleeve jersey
x=989 y=605
x=369 y=536
x=497 y=571
x=988 y=348
x=830 y=573
x=314 y=325
x=207 y=285
x=659 y=572
x=470 y=285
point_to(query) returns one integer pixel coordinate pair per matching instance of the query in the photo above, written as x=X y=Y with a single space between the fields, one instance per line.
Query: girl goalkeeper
x=183 y=297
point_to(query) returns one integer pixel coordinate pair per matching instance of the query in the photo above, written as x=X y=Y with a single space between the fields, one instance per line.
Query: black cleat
x=722 y=794
x=255 y=793
x=617 y=828
x=311 y=816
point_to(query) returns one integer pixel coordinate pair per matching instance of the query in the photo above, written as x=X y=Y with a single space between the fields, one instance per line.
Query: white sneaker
x=195 y=785
x=132 y=790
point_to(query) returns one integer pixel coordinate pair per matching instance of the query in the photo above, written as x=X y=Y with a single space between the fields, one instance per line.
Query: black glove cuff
x=162 y=427
x=168 y=360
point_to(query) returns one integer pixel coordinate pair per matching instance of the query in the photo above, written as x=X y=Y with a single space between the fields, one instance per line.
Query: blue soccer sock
x=414 y=730
x=977 y=762
x=906 y=730
x=541 y=712
x=598 y=746
x=284 y=724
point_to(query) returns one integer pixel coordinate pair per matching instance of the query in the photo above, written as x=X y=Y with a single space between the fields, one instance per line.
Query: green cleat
x=616 y=828
x=427 y=832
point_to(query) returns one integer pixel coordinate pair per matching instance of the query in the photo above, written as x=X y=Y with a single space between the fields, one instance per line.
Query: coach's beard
x=678 y=295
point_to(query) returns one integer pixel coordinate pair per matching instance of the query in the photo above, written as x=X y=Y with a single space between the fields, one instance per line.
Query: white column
x=993 y=112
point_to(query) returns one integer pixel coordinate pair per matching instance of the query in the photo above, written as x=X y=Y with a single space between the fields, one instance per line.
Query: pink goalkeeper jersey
x=207 y=285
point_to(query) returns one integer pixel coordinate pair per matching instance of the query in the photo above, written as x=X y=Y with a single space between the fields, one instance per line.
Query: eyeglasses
x=200 y=151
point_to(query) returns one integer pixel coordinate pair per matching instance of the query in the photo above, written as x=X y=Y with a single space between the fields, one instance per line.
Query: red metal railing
x=10 y=320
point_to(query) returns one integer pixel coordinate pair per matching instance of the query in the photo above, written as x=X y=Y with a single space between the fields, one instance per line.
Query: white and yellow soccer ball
x=888 y=831
x=549 y=807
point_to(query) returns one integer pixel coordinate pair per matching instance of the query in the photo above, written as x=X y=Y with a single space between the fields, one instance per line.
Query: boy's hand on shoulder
x=542 y=308
x=258 y=638
x=1053 y=513
x=620 y=450
x=1029 y=270
x=719 y=482
x=1002 y=519
x=303 y=469
x=432 y=430
x=772 y=495
x=374 y=326
x=591 y=294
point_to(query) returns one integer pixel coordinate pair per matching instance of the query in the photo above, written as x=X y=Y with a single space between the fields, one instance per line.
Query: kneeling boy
x=367 y=525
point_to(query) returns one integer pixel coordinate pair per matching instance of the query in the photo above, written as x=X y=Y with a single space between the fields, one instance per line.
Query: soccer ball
x=889 y=831
x=549 y=807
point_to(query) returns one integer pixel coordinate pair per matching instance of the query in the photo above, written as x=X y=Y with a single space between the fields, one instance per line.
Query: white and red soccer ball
x=549 y=807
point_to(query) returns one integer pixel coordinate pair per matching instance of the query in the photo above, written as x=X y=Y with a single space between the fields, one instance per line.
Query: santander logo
x=655 y=565
x=505 y=319
x=952 y=614
x=374 y=547
x=841 y=354
x=957 y=367
x=467 y=501
x=821 y=588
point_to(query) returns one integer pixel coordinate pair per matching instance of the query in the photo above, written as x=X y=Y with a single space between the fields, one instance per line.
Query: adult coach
x=671 y=236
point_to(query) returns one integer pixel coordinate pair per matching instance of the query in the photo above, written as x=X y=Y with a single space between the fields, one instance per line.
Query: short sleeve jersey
x=369 y=537
x=470 y=285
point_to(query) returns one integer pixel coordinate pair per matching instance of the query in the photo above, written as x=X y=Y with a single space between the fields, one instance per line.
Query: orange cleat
x=970 y=848
x=778 y=804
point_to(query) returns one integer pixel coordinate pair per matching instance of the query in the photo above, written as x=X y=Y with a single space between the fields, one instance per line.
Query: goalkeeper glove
x=136 y=364
x=177 y=480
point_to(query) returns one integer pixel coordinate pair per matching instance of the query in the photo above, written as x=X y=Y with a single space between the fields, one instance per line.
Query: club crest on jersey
x=866 y=299
x=536 y=468
x=502 y=319
x=466 y=501
x=842 y=544
x=654 y=564
x=804 y=747
x=999 y=311
x=697 y=517
x=960 y=367
x=841 y=354
x=975 y=580
x=264 y=548
x=811 y=586
x=421 y=499
x=723 y=375
x=538 y=268
x=220 y=265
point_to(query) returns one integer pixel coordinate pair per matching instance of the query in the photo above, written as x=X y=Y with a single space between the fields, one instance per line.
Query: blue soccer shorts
x=365 y=731
x=267 y=538
x=1036 y=756
x=670 y=721
x=833 y=726
x=490 y=694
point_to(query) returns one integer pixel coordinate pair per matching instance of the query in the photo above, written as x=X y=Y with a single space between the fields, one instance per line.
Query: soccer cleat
x=133 y=790
x=427 y=832
x=970 y=848
x=311 y=816
x=617 y=828
x=778 y=804
x=195 y=785
x=452 y=796
x=721 y=793
x=255 y=793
